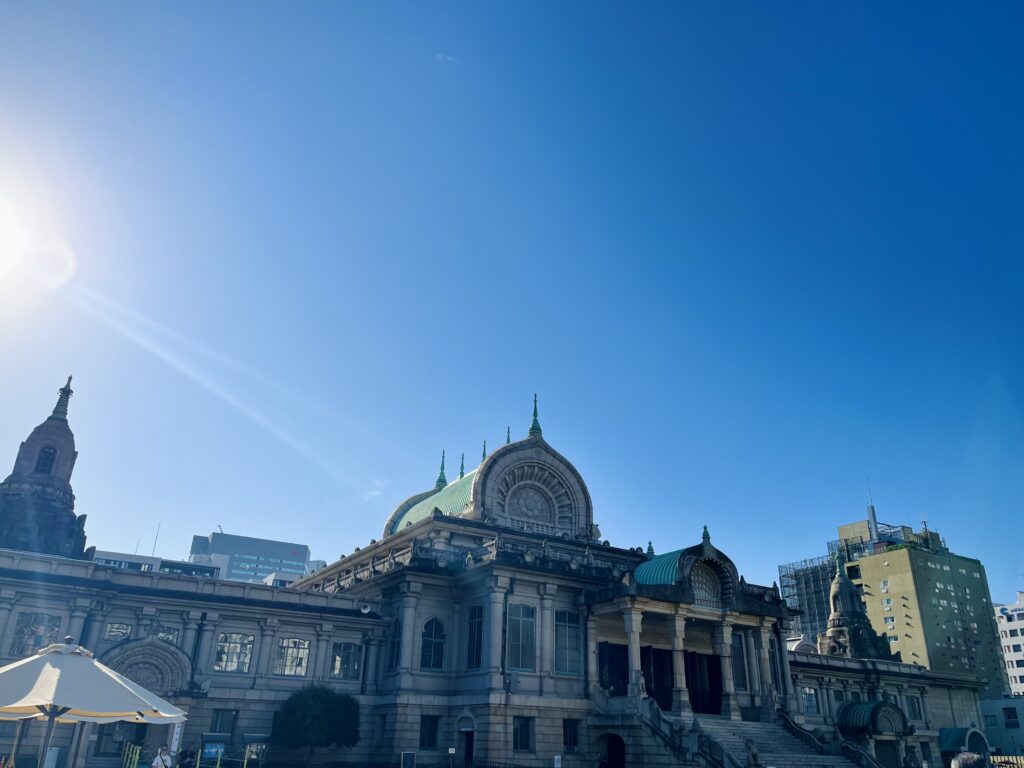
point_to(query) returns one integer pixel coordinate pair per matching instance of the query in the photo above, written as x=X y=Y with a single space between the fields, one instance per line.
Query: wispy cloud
x=378 y=488
x=444 y=58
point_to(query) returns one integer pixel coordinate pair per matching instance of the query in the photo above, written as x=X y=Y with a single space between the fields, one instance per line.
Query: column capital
x=324 y=631
x=412 y=589
x=268 y=626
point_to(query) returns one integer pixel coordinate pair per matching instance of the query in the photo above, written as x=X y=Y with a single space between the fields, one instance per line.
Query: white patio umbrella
x=64 y=683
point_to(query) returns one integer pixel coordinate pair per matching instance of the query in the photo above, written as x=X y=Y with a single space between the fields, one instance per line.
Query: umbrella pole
x=51 y=722
x=79 y=733
x=22 y=724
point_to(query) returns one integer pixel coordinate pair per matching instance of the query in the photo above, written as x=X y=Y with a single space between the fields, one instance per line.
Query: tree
x=316 y=716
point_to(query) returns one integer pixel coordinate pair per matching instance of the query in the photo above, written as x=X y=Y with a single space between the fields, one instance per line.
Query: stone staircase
x=778 y=748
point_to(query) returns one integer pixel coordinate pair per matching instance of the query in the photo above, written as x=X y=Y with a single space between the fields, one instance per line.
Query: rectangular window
x=854 y=695
x=292 y=656
x=347 y=661
x=234 y=652
x=739 y=663
x=568 y=658
x=117 y=632
x=428 y=731
x=521 y=648
x=926 y=752
x=914 y=710
x=839 y=696
x=1010 y=717
x=34 y=631
x=522 y=734
x=1016 y=648
x=883 y=584
x=474 y=653
x=886 y=601
x=223 y=720
x=1020 y=663
x=1014 y=633
x=811 y=701
x=570 y=735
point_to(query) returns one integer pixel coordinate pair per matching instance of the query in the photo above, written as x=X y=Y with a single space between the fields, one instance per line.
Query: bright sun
x=34 y=258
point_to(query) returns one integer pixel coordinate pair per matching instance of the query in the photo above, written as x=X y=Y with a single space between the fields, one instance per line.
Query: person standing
x=162 y=759
x=187 y=758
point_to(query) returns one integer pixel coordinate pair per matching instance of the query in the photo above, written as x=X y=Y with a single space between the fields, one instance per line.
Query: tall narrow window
x=521 y=649
x=739 y=662
x=474 y=653
x=522 y=734
x=432 y=646
x=395 y=645
x=568 y=658
x=45 y=460
x=234 y=652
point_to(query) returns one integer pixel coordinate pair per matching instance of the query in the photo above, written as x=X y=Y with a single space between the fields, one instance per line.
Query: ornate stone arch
x=531 y=487
x=154 y=664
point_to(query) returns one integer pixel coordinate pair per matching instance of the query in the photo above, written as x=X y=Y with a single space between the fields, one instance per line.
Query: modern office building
x=932 y=605
x=147 y=564
x=1010 y=622
x=244 y=558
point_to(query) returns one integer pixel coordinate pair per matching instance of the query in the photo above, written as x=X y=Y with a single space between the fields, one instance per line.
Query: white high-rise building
x=1010 y=619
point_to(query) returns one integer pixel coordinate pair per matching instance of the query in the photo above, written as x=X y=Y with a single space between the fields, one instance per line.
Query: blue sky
x=748 y=254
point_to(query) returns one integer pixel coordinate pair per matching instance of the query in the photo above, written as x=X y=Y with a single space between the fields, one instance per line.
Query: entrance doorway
x=656 y=665
x=704 y=682
x=467 y=748
x=613 y=668
x=616 y=752
x=887 y=753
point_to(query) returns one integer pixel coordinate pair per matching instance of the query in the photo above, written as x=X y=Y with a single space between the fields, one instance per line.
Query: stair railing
x=803 y=734
x=651 y=716
x=859 y=755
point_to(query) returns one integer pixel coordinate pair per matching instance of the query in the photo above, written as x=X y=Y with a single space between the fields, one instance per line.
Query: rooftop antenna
x=924 y=521
x=872 y=520
x=137 y=542
x=220 y=528
x=156 y=539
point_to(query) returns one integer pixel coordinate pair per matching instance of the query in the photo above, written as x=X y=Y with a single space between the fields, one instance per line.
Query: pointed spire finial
x=60 y=410
x=508 y=435
x=706 y=536
x=535 y=430
x=442 y=481
x=650 y=549
x=462 y=467
x=483 y=456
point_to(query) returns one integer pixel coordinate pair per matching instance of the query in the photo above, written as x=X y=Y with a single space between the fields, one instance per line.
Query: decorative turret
x=462 y=467
x=442 y=481
x=535 y=430
x=849 y=630
x=36 y=501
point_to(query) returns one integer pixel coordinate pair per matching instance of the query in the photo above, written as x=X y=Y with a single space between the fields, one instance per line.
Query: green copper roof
x=451 y=500
x=661 y=569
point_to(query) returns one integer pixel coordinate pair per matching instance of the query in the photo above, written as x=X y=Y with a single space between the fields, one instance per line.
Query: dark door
x=704 y=682
x=616 y=752
x=656 y=664
x=467 y=752
x=887 y=753
x=613 y=668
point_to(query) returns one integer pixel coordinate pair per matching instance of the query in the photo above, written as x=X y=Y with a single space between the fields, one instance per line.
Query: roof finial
x=650 y=549
x=508 y=435
x=707 y=536
x=442 y=481
x=483 y=456
x=535 y=430
x=60 y=410
x=462 y=467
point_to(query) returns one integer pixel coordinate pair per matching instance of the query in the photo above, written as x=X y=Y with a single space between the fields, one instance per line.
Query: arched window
x=395 y=646
x=706 y=589
x=432 y=646
x=45 y=460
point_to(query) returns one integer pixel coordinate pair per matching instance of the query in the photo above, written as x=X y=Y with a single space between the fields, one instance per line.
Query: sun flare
x=35 y=258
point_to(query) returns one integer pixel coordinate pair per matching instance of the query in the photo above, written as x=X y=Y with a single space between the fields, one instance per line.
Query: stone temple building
x=492 y=619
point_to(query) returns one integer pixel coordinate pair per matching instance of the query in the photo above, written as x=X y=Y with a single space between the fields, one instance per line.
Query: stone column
x=633 y=618
x=593 y=678
x=188 y=635
x=203 y=661
x=723 y=649
x=371 y=651
x=546 y=646
x=408 y=654
x=824 y=700
x=7 y=600
x=680 y=694
x=453 y=651
x=322 y=661
x=95 y=626
x=265 y=653
x=79 y=610
x=495 y=627
x=790 y=704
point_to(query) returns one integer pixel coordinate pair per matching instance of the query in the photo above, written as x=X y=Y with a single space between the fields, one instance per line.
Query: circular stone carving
x=530 y=504
x=155 y=665
x=145 y=674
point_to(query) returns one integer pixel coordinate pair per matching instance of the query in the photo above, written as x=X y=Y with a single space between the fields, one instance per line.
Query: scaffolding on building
x=805 y=586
